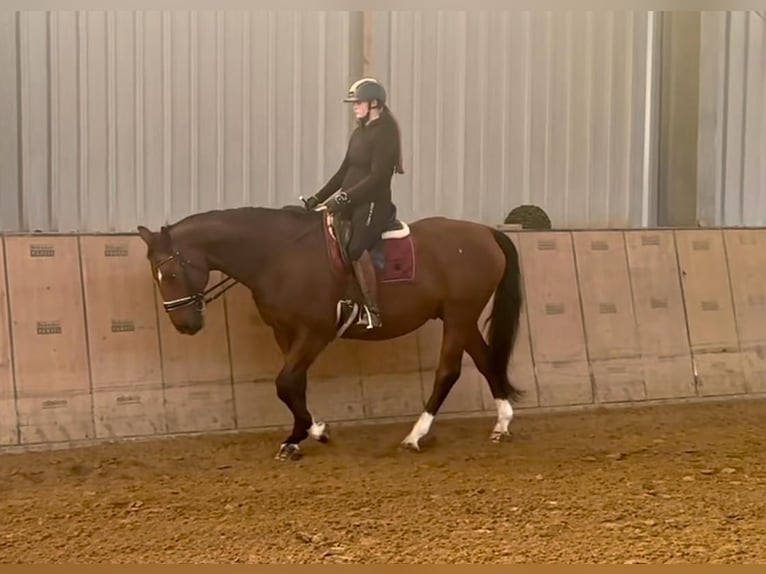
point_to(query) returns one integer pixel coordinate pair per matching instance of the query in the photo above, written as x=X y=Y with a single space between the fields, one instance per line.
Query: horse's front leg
x=301 y=352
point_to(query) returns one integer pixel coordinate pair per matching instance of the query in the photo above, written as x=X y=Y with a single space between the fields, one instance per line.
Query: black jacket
x=372 y=157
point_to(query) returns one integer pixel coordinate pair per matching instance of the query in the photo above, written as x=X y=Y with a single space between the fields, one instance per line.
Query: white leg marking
x=504 y=416
x=316 y=430
x=419 y=430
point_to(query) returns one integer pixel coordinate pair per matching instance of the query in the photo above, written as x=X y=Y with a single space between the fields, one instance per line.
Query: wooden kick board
x=255 y=355
x=705 y=280
x=658 y=302
x=608 y=315
x=392 y=384
x=255 y=362
x=606 y=298
x=746 y=255
x=337 y=398
x=196 y=371
x=128 y=398
x=48 y=325
x=710 y=312
x=555 y=319
x=659 y=314
x=393 y=394
x=8 y=419
x=398 y=355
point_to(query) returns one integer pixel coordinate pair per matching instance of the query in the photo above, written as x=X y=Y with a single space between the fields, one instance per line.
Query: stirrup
x=368 y=322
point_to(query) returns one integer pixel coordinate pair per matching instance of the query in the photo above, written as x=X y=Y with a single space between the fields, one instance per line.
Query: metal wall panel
x=732 y=138
x=9 y=124
x=116 y=118
x=503 y=108
x=121 y=117
x=147 y=116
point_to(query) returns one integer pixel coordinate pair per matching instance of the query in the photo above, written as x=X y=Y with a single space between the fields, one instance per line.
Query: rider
x=374 y=154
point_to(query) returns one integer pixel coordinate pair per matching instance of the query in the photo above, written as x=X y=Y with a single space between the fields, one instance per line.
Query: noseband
x=199 y=299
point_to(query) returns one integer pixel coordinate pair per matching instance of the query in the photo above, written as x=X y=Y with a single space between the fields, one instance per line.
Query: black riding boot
x=367 y=280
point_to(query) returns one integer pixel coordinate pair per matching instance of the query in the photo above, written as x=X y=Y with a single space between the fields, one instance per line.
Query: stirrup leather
x=346 y=311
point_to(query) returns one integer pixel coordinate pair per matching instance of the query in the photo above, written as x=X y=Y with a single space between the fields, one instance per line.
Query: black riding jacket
x=371 y=159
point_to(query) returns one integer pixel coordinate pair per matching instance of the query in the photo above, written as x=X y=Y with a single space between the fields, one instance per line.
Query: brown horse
x=291 y=261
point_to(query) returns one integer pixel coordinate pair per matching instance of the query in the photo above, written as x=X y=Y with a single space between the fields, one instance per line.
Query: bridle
x=199 y=299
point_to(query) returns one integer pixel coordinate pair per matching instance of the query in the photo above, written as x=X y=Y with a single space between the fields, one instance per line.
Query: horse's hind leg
x=479 y=351
x=447 y=374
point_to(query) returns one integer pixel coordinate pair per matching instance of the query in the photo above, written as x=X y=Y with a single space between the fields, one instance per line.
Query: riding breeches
x=368 y=221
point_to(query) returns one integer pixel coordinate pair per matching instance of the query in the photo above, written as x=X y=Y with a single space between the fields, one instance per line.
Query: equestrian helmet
x=366 y=90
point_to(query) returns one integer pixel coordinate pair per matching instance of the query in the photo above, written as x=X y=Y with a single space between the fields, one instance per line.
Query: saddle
x=340 y=229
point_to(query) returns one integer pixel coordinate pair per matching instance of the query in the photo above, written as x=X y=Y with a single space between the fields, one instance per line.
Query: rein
x=201 y=298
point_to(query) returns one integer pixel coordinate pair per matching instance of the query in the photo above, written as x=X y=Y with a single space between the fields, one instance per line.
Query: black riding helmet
x=366 y=90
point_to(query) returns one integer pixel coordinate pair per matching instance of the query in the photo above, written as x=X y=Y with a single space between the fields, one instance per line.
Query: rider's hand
x=337 y=202
x=311 y=202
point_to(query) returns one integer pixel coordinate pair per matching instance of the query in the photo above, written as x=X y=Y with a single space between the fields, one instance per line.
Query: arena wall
x=610 y=317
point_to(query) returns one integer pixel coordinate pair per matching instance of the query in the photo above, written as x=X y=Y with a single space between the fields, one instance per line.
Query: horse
x=294 y=263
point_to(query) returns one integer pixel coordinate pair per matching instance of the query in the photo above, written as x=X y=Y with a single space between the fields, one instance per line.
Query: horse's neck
x=237 y=246
x=228 y=245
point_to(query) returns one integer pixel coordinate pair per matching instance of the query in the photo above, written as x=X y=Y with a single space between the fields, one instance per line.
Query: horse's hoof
x=318 y=432
x=289 y=451
x=498 y=436
x=409 y=445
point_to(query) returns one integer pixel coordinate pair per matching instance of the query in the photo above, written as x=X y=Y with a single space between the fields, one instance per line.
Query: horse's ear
x=164 y=237
x=145 y=234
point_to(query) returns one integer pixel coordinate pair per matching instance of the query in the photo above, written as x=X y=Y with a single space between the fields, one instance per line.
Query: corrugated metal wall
x=503 y=108
x=119 y=118
x=732 y=137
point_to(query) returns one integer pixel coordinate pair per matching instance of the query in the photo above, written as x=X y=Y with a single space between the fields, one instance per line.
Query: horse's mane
x=300 y=212
x=248 y=215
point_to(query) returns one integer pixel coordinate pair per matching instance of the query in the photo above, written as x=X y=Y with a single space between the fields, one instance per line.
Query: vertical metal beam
x=649 y=211
x=367 y=52
x=356 y=50
x=679 y=101
x=10 y=123
x=712 y=116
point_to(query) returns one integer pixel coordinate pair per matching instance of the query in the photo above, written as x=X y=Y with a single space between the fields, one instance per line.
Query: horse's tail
x=506 y=311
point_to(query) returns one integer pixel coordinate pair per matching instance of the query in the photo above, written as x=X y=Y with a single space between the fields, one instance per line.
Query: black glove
x=337 y=202
x=311 y=202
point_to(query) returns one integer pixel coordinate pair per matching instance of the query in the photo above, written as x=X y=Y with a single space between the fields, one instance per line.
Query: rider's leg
x=363 y=236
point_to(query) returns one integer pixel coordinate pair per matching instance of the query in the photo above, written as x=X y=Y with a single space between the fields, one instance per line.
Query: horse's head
x=181 y=273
